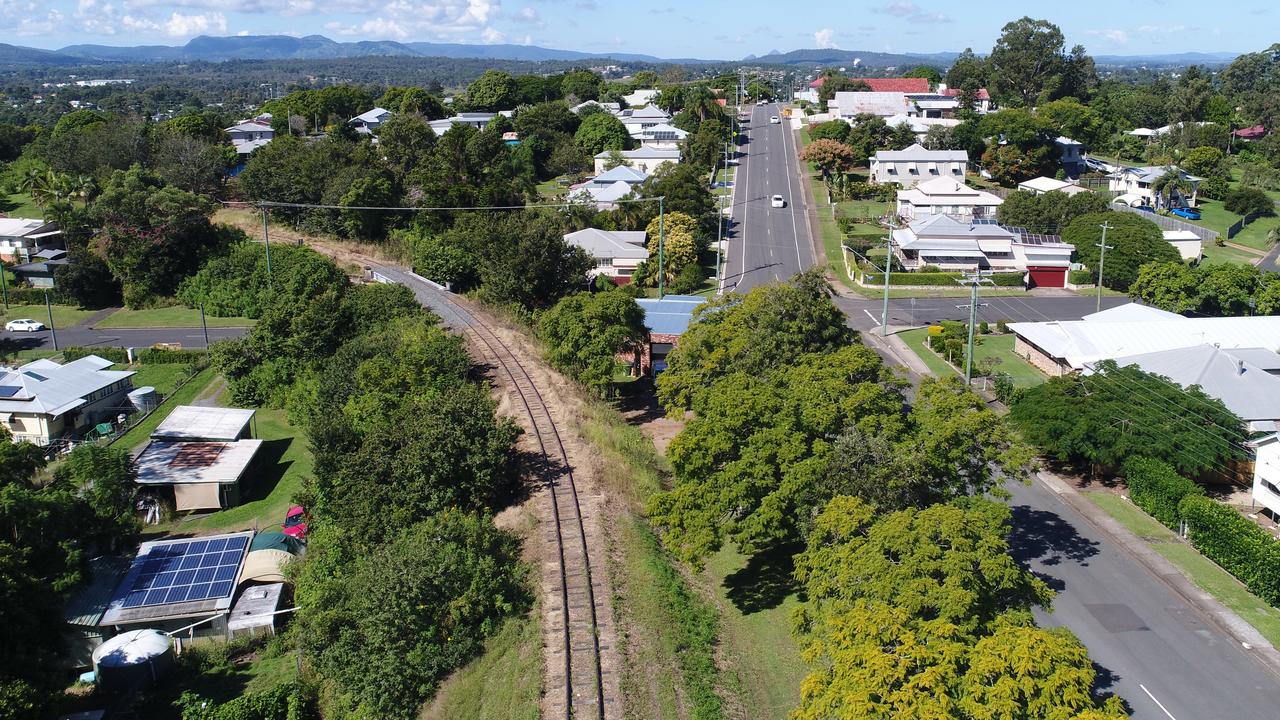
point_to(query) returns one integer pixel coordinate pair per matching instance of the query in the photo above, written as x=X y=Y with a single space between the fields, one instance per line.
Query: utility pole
x=266 y=239
x=4 y=288
x=662 y=238
x=720 y=218
x=49 y=309
x=973 y=281
x=888 y=265
x=1102 y=261
x=204 y=326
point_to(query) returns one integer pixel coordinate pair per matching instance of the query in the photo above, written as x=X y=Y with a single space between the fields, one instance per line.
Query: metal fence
x=1171 y=223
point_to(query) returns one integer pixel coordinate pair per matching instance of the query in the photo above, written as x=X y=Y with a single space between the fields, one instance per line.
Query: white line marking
x=874 y=319
x=1157 y=702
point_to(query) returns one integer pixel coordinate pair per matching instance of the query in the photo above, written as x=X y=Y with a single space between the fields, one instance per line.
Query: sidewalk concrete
x=894 y=346
x=98 y=317
x=1222 y=616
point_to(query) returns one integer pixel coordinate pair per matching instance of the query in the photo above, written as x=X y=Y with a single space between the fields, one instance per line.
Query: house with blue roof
x=666 y=319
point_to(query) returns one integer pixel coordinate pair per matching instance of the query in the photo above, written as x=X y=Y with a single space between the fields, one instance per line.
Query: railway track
x=575 y=686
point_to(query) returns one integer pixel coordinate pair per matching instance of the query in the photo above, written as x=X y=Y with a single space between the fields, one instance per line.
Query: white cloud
x=1162 y=29
x=179 y=25
x=910 y=11
x=825 y=38
x=1120 y=37
x=491 y=35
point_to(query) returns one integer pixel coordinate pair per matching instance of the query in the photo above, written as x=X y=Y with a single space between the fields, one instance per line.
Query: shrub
x=939 y=279
x=1248 y=201
x=114 y=354
x=1002 y=326
x=163 y=356
x=984 y=327
x=688 y=280
x=1213 y=187
x=1231 y=540
x=1080 y=277
x=1157 y=488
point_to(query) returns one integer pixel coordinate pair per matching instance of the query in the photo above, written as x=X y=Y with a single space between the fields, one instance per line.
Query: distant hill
x=1189 y=58
x=310 y=47
x=835 y=56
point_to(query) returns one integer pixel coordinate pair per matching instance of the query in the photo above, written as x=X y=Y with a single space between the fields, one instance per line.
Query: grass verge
x=64 y=316
x=1214 y=255
x=176 y=316
x=504 y=683
x=163 y=377
x=139 y=433
x=1000 y=347
x=1206 y=574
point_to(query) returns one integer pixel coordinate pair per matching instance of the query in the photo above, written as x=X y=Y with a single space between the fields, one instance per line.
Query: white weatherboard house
x=250 y=131
x=915 y=164
x=1042 y=185
x=477 y=120
x=848 y=105
x=640 y=97
x=642 y=118
x=660 y=137
x=368 y=122
x=948 y=244
x=1134 y=185
x=43 y=401
x=1070 y=155
x=616 y=253
x=945 y=195
x=21 y=238
x=644 y=159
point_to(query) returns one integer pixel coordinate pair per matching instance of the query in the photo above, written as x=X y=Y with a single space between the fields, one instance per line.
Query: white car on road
x=777 y=201
x=774 y=120
x=24 y=325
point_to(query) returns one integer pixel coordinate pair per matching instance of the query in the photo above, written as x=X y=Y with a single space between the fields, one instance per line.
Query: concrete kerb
x=810 y=203
x=1217 y=613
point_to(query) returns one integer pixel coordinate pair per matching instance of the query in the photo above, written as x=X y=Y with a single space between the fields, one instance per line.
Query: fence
x=1239 y=225
x=1170 y=223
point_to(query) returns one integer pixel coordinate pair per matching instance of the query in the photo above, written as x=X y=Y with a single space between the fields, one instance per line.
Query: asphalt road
x=138 y=337
x=864 y=313
x=767 y=243
x=1151 y=647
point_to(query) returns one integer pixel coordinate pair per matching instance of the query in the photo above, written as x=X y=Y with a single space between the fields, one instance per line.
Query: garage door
x=1047 y=277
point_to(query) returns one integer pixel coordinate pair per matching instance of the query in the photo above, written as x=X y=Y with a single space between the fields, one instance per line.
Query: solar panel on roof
x=183 y=572
x=8 y=390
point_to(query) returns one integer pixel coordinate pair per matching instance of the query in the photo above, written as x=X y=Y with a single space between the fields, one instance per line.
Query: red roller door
x=1053 y=277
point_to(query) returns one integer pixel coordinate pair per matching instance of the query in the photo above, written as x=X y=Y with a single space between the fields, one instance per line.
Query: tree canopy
x=1132 y=241
x=586 y=332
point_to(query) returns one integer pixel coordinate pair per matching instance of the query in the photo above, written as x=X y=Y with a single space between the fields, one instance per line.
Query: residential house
x=643 y=118
x=1135 y=185
x=368 y=123
x=949 y=244
x=39 y=272
x=477 y=120
x=660 y=137
x=607 y=188
x=21 y=238
x=1188 y=244
x=898 y=85
x=983 y=104
x=1063 y=346
x=1042 y=185
x=946 y=196
x=920 y=125
x=640 y=97
x=1253 y=132
x=250 y=131
x=617 y=254
x=1070 y=155
x=666 y=319
x=915 y=164
x=43 y=401
x=646 y=159
x=848 y=105
x=612 y=108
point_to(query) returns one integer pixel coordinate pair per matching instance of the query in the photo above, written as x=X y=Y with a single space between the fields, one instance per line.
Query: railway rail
x=576 y=687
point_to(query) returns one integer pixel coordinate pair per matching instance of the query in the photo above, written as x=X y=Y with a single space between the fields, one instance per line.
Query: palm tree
x=1168 y=185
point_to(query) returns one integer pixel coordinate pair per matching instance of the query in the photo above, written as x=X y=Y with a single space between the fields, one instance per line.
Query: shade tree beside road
x=1133 y=242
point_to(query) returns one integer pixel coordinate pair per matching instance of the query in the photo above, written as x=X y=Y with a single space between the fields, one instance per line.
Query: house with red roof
x=1250 y=133
x=984 y=98
x=906 y=86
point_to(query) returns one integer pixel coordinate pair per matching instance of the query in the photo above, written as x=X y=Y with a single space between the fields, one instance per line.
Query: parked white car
x=24 y=325
x=777 y=201
x=774 y=120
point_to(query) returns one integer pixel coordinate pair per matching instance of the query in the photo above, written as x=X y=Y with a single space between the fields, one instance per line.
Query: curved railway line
x=575 y=682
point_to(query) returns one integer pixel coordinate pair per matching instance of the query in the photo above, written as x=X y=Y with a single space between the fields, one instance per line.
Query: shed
x=666 y=319
x=203 y=475
x=193 y=422
x=87 y=603
x=255 y=610
x=1188 y=244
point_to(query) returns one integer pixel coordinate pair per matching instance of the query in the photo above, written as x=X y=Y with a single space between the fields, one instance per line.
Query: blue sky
x=718 y=29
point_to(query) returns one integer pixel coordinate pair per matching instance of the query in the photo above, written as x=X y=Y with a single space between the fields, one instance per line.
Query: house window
x=1268 y=485
x=956 y=171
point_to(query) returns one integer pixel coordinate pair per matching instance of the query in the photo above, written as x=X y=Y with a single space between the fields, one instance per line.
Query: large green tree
x=1132 y=242
x=585 y=334
x=1026 y=61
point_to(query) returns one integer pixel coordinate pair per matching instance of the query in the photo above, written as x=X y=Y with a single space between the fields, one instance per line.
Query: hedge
x=1080 y=277
x=940 y=279
x=1157 y=488
x=35 y=296
x=1242 y=548
x=146 y=356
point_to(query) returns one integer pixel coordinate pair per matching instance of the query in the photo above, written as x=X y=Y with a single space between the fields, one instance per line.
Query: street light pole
x=662 y=238
x=1102 y=261
x=720 y=219
x=49 y=309
x=204 y=326
x=973 y=281
x=888 y=265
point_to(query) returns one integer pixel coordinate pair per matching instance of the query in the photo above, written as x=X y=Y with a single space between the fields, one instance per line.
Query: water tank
x=145 y=398
x=132 y=660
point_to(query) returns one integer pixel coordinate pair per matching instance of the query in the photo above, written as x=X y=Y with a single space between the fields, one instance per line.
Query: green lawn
x=1254 y=235
x=285 y=458
x=725 y=175
x=862 y=208
x=756 y=601
x=504 y=683
x=176 y=316
x=1213 y=255
x=1024 y=374
x=184 y=395
x=162 y=377
x=20 y=205
x=1203 y=572
x=64 y=316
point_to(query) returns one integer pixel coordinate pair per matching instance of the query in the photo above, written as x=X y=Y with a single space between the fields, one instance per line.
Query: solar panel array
x=183 y=572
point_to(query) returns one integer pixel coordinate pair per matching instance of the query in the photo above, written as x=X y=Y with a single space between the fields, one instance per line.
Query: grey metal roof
x=621 y=172
x=643 y=153
x=89 y=600
x=918 y=153
x=610 y=244
x=45 y=387
x=947 y=226
x=188 y=463
x=670 y=315
x=1246 y=389
x=1259 y=357
x=193 y=422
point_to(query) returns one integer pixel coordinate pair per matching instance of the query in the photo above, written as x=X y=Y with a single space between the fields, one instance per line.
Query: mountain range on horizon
x=318 y=47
